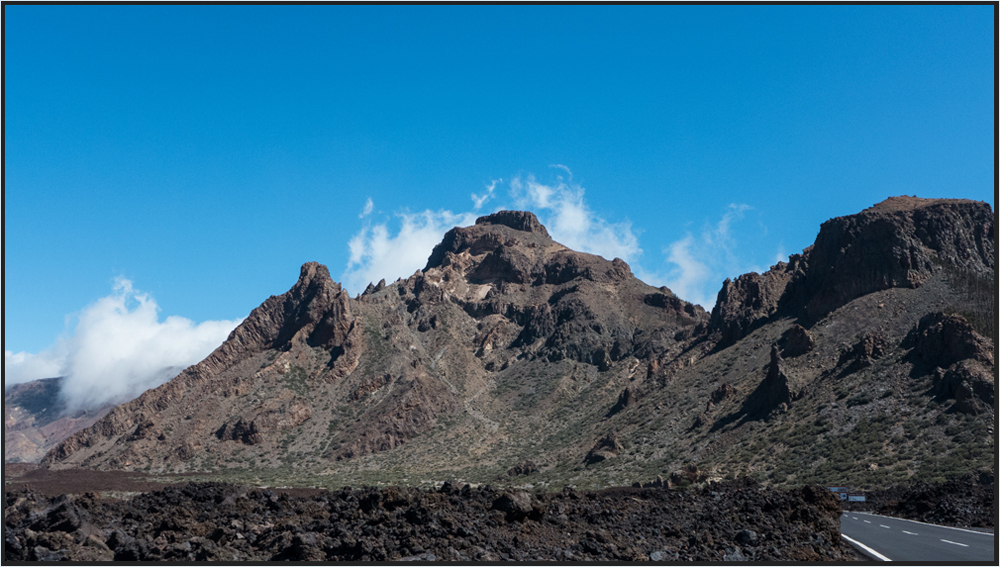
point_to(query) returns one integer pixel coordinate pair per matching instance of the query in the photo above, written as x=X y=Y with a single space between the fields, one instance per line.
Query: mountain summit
x=509 y=348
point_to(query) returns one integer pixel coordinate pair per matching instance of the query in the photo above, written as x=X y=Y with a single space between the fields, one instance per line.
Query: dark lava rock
x=772 y=394
x=864 y=353
x=940 y=340
x=796 y=341
x=606 y=448
x=968 y=501
x=524 y=468
x=217 y=522
x=960 y=360
x=746 y=537
x=970 y=384
x=624 y=400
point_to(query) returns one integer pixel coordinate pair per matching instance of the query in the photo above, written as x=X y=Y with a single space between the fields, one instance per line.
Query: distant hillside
x=34 y=420
x=865 y=360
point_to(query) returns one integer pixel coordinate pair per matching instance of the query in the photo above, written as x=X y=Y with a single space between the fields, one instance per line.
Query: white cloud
x=690 y=277
x=24 y=367
x=369 y=205
x=699 y=264
x=479 y=200
x=780 y=255
x=118 y=350
x=562 y=209
x=376 y=253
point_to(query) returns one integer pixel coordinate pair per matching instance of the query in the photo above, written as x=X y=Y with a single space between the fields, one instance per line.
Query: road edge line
x=865 y=549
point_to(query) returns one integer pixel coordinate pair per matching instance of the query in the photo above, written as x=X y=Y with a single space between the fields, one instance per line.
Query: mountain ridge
x=508 y=345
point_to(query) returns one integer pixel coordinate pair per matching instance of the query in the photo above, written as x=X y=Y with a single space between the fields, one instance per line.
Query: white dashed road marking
x=909 y=533
x=867 y=522
x=854 y=517
x=884 y=526
x=954 y=543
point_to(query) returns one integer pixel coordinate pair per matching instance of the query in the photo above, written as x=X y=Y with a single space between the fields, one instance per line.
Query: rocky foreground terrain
x=735 y=520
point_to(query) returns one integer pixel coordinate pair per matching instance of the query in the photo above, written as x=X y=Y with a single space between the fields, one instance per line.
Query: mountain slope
x=510 y=347
x=34 y=419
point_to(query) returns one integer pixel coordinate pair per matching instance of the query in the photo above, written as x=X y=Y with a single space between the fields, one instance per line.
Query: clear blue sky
x=205 y=152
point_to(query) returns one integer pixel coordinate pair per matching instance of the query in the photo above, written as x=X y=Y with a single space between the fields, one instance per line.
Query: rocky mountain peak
x=518 y=220
x=518 y=232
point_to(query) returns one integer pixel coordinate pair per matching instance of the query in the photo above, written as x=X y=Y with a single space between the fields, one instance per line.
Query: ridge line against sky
x=203 y=152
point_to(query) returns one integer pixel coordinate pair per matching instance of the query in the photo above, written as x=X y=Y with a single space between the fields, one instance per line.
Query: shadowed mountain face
x=508 y=346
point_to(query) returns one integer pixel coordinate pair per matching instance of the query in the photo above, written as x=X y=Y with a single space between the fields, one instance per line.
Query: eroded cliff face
x=897 y=243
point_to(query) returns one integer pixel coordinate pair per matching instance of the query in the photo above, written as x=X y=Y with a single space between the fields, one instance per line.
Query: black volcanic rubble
x=736 y=520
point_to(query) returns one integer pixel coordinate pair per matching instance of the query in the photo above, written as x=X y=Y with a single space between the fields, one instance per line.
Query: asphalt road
x=893 y=539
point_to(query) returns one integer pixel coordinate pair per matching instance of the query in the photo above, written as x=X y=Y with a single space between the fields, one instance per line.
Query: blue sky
x=193 y=157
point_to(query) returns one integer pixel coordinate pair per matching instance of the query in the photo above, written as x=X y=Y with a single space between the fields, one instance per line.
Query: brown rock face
x=940 y=340
x=896 y=243
x=796 y=342
x=864 y=353
x=606 y=447
x=970 y=384
x=772 y=394
x=960 y=358
x=752 y=299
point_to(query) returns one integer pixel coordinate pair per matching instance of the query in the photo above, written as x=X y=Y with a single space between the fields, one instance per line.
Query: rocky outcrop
x=625 y=399
x=720 y=394
x=606 y=447
x=863 y=353
x=246 y=433
x=796 y=341
x=314 y=313
x=773 y=393
x=568 y=305
x=970 y=384
x=896 y=243
x=940 y=340
x=753 y=299
x=524 y=468
x=960 y=359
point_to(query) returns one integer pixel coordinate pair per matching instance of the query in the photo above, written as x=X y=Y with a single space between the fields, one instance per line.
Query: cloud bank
x=118 y=350
x=398 y=246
